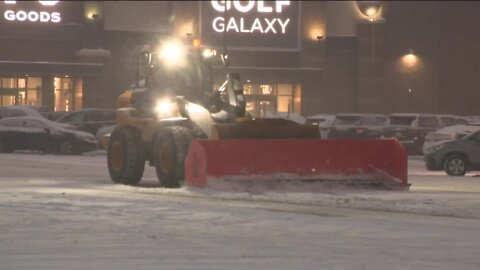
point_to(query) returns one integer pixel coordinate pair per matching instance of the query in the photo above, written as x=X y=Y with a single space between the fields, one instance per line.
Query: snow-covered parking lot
x=62 y=212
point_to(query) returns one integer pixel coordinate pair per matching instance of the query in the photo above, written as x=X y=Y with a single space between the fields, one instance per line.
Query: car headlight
x=166 y=108
x=434 y=148
x=87 y=138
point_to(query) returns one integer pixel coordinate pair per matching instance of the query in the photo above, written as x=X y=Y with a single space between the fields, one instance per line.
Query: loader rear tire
x=125 y=156
x=170 y=150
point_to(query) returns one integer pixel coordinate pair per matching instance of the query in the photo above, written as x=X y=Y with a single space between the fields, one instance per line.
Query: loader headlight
x=208 y=53
x=166 y=108
x=172 y=53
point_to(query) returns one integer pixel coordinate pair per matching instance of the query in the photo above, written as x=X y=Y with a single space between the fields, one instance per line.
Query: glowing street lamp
x=369 y=9
x=410 y=59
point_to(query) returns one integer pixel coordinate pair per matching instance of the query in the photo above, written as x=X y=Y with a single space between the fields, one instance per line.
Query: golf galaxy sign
x=251 y=25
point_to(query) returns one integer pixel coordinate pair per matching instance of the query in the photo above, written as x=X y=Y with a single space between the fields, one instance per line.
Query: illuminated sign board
x=250 y=25
x=42 y=12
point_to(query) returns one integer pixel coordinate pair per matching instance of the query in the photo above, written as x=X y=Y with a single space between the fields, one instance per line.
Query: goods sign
x=43 y=12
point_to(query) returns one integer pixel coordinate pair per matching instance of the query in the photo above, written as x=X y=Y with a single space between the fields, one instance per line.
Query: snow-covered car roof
x=413 y=114
x=472 y=118
x=321 y=116
x=290 y=116
x=47 y=122
x=363 y=119
x=362 y=114
x=452 y=130
x=27 y=110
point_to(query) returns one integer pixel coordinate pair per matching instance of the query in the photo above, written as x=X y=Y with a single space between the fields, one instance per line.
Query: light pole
x=373 y=39
x=410 y=61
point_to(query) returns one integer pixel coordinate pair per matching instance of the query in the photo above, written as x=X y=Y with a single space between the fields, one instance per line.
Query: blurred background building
x=307 y=57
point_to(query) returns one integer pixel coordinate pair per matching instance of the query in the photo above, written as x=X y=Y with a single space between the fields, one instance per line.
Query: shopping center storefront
x=39 y=61
x=29 y=91
x=307 y=57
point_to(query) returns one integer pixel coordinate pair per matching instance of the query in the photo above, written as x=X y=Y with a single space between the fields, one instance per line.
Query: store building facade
x=37 y=45
x=306 y=57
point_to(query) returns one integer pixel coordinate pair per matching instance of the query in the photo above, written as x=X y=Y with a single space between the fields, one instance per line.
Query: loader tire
x=170 y=150
x=125 y=156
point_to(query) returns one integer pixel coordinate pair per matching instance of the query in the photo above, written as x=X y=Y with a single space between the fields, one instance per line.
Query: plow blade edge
x=375 y=161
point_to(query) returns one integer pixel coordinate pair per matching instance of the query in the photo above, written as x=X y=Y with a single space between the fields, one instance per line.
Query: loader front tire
x=125 y=156
x=170 y=150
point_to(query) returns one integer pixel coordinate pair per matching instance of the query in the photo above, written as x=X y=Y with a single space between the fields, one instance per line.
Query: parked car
x=448 y=134
x=39 y=133
x=357 y=126
x=90 y=120
x=411 y=128
x=455 y=157
x=472 y=118
x=20 y=110
x=320 y=119
x=323 y=121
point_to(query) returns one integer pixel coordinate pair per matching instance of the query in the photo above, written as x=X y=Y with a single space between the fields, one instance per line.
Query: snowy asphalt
x=62 y=212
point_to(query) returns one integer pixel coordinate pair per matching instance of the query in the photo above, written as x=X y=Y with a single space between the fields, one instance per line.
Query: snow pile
x=341 y=195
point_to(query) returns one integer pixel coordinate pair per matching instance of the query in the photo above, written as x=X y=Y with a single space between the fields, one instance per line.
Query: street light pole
x=373 y=39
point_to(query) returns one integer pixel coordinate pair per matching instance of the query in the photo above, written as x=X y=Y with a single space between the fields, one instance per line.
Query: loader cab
x=144 y=68
x=174 y=68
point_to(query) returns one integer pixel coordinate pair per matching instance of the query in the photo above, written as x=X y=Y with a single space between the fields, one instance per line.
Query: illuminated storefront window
x=263 y=98
x=26 y=90
x=63 y=94
x=78 y=102
x=20 y=91
x=33 y=91
x=8 y=91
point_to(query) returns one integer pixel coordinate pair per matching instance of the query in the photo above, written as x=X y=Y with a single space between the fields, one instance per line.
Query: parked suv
x=323 y=121
x=357 y=126
x=411 y=128
x=90 y=120
x=455 y=157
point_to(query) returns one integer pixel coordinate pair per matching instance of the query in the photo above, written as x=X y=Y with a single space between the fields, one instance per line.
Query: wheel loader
x=173 y=102
x=189 y=127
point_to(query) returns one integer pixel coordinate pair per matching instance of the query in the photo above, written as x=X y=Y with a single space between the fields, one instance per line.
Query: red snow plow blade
x=382 y=162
